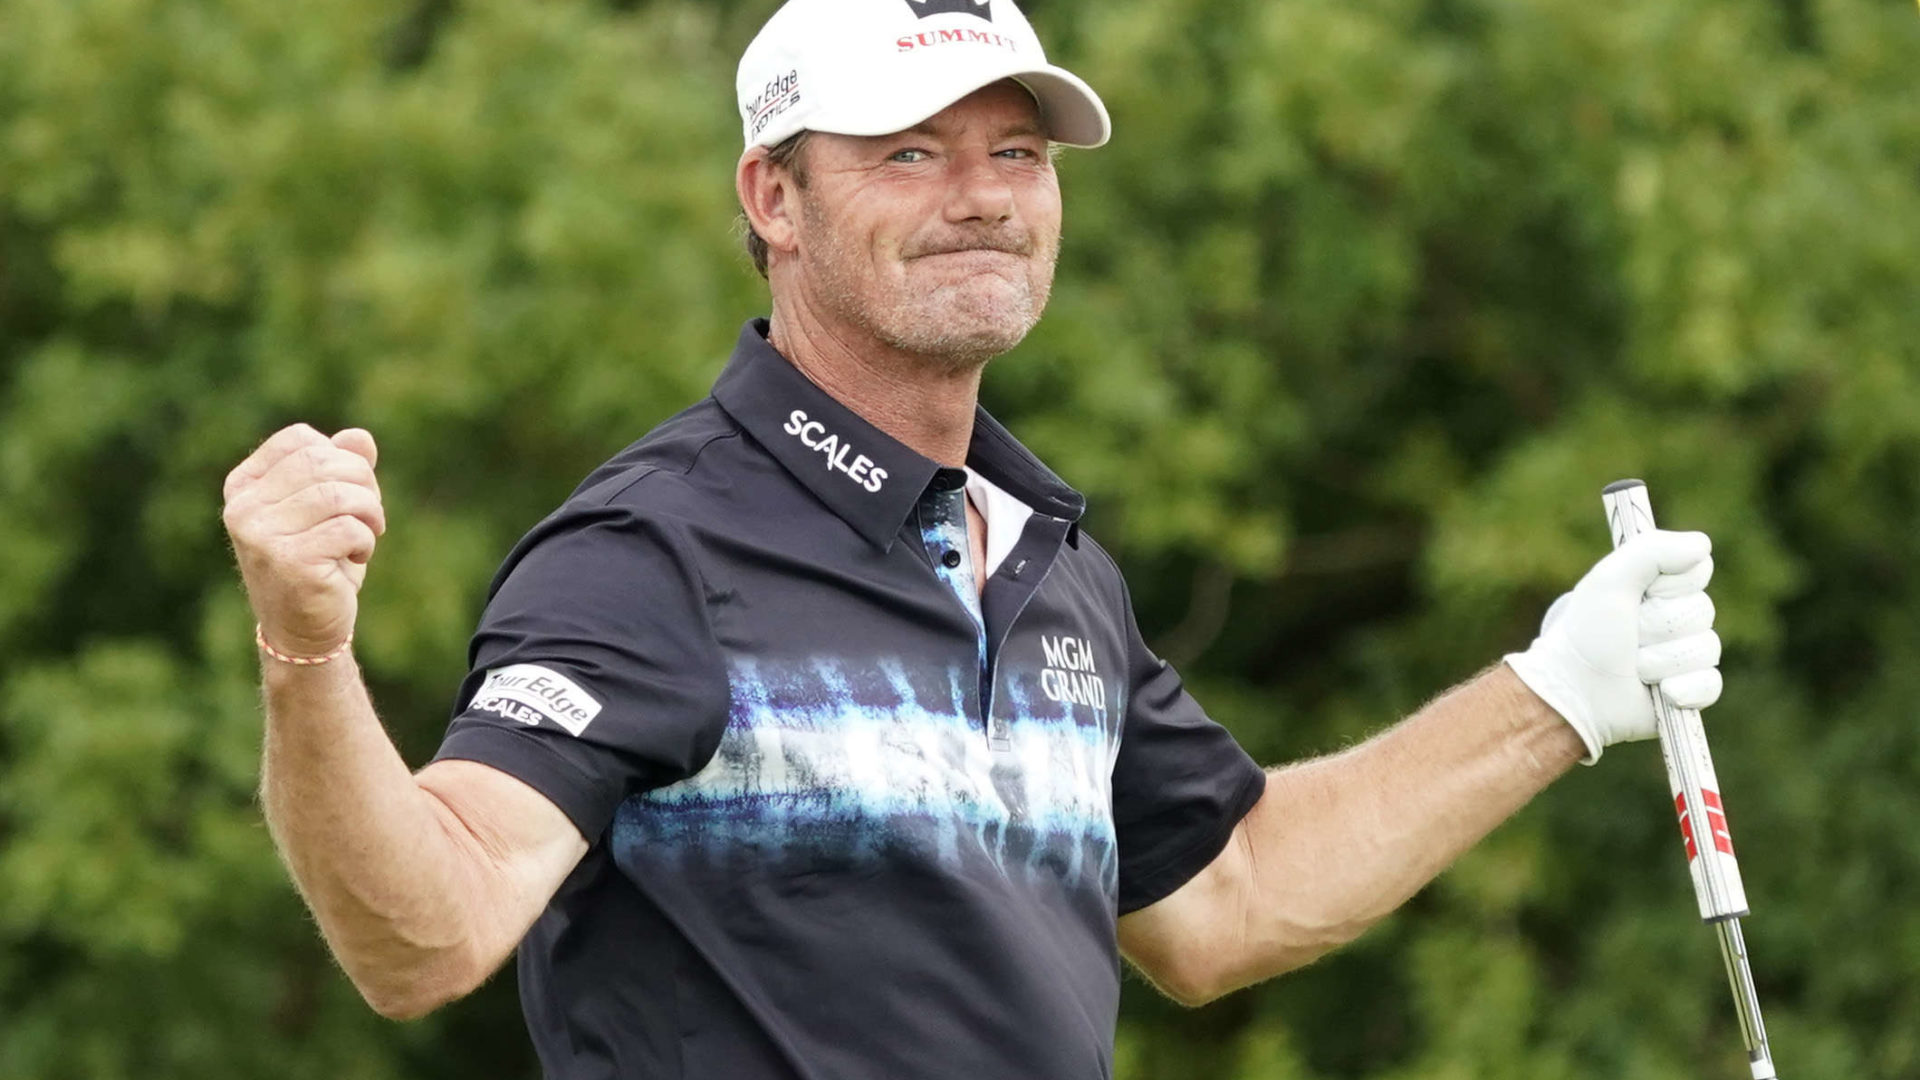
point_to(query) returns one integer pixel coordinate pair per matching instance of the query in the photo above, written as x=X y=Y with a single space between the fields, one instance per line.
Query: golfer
x=812 y=738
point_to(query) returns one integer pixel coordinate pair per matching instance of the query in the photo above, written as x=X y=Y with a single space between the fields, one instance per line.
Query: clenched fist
x=304 y=513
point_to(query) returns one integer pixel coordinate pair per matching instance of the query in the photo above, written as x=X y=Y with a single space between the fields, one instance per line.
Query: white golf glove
x=1641 y=616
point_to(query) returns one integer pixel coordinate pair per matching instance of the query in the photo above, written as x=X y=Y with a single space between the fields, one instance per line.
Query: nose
x=978 y=191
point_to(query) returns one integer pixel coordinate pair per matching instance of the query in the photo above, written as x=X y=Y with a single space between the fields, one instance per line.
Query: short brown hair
x=786 y=155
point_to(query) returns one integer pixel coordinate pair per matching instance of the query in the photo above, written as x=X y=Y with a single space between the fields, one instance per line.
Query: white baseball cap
x=874 y=67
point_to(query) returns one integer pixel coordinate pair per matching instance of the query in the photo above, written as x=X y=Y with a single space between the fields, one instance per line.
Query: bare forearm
x=1336 y=844
x=367 y=846
x=1339 y=842
x=421 y=884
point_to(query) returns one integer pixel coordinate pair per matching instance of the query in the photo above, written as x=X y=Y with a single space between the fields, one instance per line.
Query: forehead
x=995 y=111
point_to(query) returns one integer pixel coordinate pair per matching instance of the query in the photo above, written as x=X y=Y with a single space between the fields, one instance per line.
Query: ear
x=767 y=196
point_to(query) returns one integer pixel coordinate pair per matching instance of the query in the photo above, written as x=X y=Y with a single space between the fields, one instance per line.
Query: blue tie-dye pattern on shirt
x=851 y=764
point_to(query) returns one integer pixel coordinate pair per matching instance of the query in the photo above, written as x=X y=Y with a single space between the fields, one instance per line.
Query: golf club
x=1703 y=817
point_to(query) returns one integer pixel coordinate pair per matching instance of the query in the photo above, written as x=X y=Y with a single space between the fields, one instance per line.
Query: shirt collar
x=865 y=476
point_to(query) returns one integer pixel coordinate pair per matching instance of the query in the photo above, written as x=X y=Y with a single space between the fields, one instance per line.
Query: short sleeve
x=1180 y=783
x=594 y=673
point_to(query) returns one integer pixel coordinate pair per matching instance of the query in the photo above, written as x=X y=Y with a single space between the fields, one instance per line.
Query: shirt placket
x=943 y=529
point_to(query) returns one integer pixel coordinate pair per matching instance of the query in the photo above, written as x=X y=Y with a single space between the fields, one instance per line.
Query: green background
x=1361 y=308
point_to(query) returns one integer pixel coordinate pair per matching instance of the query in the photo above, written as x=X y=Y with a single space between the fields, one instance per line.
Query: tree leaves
x=1360 y=309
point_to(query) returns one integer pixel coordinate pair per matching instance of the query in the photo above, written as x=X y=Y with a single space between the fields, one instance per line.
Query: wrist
x=1552 y=741
x=300 y=656
x=1556 y=703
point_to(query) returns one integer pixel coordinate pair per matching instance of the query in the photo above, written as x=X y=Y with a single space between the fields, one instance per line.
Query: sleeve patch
x=527 y=692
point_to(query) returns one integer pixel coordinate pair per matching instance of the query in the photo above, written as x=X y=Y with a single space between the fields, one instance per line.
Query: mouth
x=982 y=257
x=980 y=246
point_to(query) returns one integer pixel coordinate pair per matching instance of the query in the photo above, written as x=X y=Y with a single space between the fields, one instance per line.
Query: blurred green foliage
x=1363 y=305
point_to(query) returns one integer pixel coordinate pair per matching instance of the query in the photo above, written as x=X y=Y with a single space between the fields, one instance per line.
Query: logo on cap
x=924 y=8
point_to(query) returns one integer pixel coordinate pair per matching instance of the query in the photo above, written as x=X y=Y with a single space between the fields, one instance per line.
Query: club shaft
x=1753 y=1031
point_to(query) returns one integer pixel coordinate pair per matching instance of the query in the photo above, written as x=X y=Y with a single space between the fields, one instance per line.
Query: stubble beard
x=953 y=328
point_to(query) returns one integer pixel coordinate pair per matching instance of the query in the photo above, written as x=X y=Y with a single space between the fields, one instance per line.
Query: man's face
x=939 y=240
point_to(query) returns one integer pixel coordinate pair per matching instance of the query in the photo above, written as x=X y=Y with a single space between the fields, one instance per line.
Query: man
x=811 y=737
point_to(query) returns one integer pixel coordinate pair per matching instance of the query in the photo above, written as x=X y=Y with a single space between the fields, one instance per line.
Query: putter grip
x=1683 y=745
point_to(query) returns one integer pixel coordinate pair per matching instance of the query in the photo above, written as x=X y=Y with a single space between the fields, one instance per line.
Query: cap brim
x=1069 y=109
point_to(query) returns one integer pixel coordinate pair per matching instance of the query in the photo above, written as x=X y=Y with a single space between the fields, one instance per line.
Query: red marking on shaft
x=1717 y=821
x=1722 y=839
x=1686 y=826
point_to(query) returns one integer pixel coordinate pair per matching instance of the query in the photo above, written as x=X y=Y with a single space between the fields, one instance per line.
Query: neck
x=924 y=403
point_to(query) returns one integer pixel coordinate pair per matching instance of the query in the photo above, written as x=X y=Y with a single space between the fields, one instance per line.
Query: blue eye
x=907 y=157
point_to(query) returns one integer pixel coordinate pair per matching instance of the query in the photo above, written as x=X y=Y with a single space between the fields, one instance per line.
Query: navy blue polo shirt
x=842 y=824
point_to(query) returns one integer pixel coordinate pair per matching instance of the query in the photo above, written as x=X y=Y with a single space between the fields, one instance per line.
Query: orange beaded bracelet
x=260 y=639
